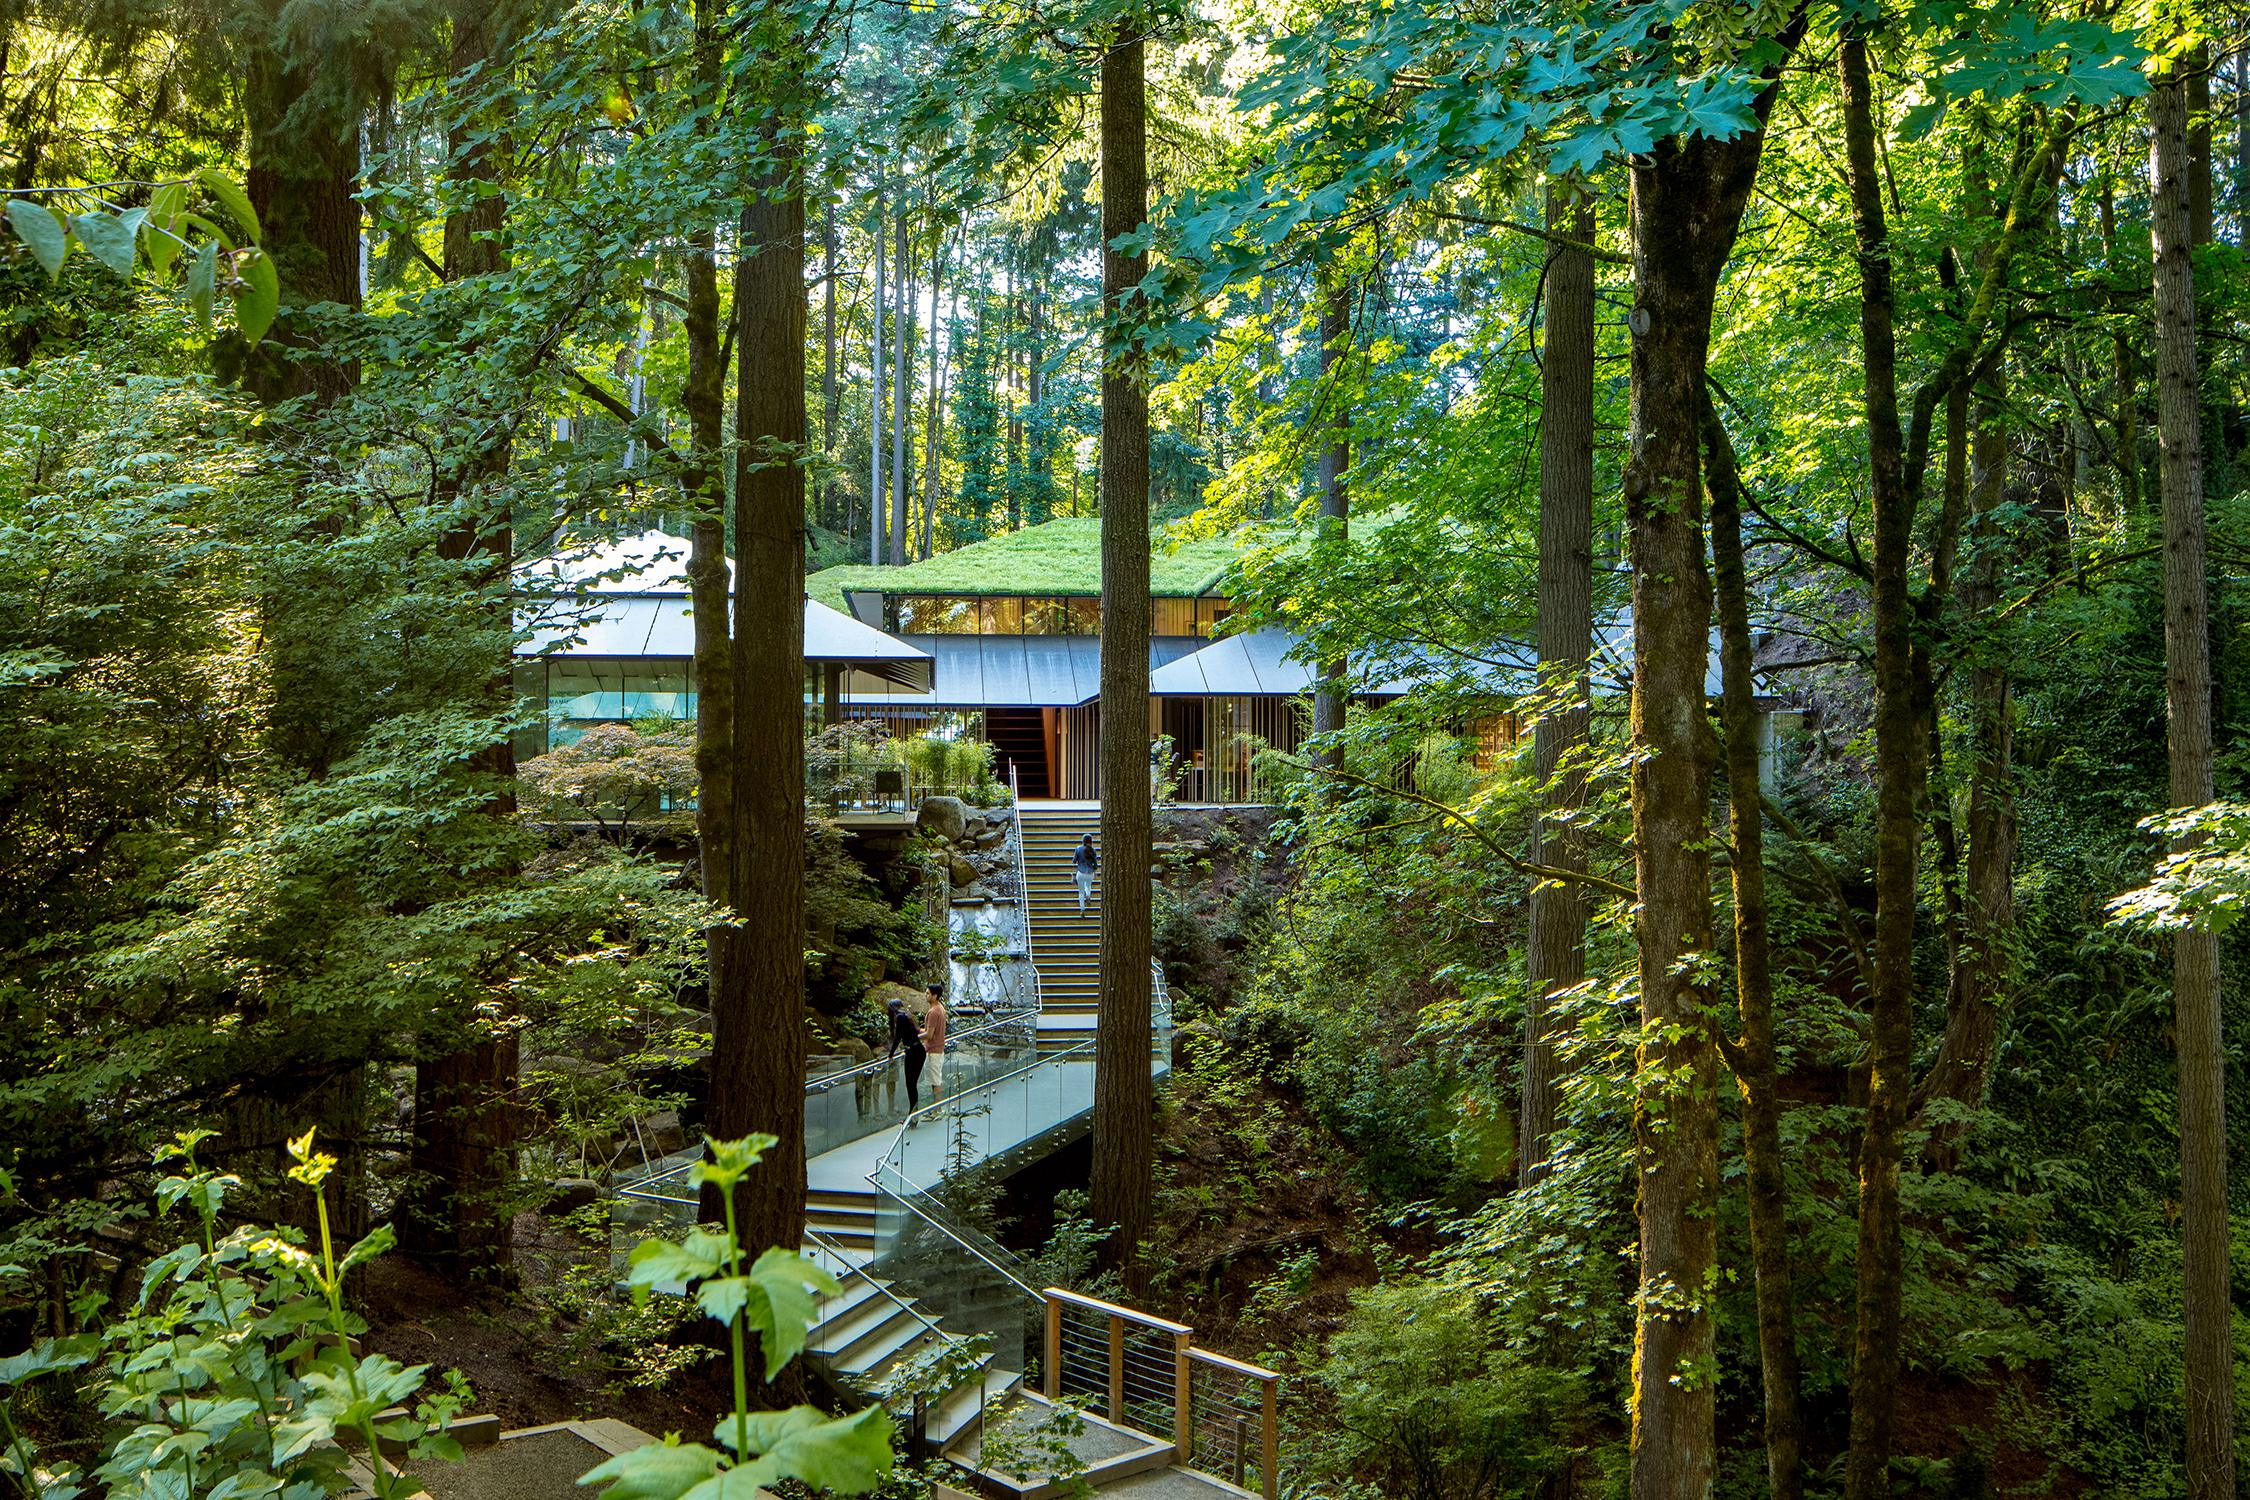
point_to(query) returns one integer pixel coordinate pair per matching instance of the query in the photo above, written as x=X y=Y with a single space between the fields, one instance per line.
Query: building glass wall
x=1041 y=614
x=572 y=694
x=615 y=690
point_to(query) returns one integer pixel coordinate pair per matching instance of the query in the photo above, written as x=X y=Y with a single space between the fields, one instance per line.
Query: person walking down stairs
x=1085 y=864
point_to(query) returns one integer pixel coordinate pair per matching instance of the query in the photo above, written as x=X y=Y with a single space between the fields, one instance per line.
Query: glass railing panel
x=936 y=1184
x=966 y=1287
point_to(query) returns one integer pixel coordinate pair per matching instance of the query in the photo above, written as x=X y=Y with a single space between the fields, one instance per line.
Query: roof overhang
x=663 y=625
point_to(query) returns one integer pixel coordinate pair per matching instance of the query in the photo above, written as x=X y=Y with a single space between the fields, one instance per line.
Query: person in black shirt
x=904 y=1033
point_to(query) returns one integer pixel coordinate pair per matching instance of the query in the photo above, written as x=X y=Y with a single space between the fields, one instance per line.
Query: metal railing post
x=1183 y=1407
x=1054 y=1346
x=1241 y=1445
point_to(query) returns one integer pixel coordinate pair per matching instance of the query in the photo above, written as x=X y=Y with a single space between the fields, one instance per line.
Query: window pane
x=586 y=687
x=657 y=688
x=530 y=687
x=1003 y=615
x=951 y=615
x=1085 y=616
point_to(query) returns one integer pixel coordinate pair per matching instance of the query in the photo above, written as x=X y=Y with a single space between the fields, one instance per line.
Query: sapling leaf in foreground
x=774 y=1298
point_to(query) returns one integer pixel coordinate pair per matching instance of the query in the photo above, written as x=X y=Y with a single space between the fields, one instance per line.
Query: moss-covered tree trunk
x=1123 y=1144
x=1687 y=207
x=1901 y=748
x=2124 y=398
x=1329 y=483
x=703 y=486
x=1981 y=975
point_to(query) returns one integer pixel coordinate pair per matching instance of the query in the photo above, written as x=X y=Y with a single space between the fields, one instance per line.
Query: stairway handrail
x=914 y=1190
x=822 y=1242
x=919 y=1212
x=1023 y=886
x=912 y=1115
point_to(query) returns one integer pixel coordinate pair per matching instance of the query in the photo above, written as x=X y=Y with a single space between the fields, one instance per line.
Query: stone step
x=866 y=1326
x=885 y=1346
x=958 y=1410
x=852 y=1294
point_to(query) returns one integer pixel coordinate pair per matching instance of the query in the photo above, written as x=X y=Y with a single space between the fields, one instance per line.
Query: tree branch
x=612 y=405
x=1514 y=862
x=1606 y=257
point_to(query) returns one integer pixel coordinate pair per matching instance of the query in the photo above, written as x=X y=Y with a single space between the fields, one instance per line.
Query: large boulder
x=880 y=996
x=573 y=1193
x=945 y=816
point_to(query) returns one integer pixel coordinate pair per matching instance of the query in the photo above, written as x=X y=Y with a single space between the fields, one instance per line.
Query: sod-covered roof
x=1060 y=557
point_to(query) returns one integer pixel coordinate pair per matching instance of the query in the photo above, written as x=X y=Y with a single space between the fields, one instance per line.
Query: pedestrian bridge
x=936 y=1317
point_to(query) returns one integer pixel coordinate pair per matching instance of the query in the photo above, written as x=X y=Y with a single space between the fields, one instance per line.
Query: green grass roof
x=1060 y=557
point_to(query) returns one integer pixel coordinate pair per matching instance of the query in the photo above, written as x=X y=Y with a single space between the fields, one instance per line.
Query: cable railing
x=1234 y=1420
x=1144 y=1372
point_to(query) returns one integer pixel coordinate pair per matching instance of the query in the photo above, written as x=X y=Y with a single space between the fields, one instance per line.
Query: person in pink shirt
x=933 y=1042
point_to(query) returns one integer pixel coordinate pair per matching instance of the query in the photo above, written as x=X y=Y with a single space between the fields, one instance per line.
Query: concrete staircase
x=844 y=1217
x=875 y=1325
x=1066 y=948
x=865 y=1331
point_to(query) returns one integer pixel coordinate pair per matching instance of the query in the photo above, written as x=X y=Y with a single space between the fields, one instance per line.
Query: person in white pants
x=1085 y=865
x=933 y=1042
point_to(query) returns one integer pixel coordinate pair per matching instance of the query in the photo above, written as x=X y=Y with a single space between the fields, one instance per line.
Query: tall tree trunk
x=902 y=395
x=703 y=485
x=2195 y=955
x=1014 y=439
x=758 y=1032
x=875 y=497
x=1755 y=1070
x=1942 y=556
x=1687 y=208
x=1123 y=1145
x=1335 y=494
x=2125 y=433
x=1903 y=684
x=1555 y=951
x=1035 y=394
x=831 y=394
x=930 y=420
x=2202 y=208
x=1980 y=977
x=1901 y=745
x=2242 y=147
x=302 y=180
x=460 y=1214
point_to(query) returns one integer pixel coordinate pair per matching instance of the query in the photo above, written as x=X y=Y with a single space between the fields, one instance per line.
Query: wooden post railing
x=1185 y=1359
x=1183 y=1402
